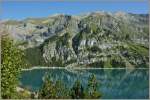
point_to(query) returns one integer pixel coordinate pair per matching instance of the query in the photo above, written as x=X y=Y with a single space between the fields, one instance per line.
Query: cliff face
x=98 y=39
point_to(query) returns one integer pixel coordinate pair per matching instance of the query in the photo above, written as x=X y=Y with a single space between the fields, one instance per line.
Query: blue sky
x=22 y=10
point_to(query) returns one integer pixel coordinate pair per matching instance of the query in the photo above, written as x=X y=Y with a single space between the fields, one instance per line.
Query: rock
x=98 y=39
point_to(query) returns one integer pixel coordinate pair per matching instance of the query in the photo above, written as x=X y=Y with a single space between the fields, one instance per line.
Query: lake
x=113 y=83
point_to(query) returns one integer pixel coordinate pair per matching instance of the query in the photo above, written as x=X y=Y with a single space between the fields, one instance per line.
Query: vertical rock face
x=98 y=39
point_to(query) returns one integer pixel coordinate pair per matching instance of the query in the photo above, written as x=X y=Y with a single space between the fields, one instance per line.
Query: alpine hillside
x=96 y=39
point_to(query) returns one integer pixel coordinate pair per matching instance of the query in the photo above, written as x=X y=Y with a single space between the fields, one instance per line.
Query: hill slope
x=98 y=39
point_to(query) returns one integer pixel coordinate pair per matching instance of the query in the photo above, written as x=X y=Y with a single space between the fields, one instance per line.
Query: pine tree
x=12 y=60
x=77 y=91
x=92 y=91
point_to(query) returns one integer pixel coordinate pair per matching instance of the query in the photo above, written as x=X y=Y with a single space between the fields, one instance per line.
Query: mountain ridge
x=98 y=39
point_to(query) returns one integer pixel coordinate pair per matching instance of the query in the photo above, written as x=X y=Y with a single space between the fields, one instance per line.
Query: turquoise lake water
x=114 y=83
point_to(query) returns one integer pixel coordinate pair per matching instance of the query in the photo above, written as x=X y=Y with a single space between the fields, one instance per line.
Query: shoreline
x=77 y=68
x=32 y=68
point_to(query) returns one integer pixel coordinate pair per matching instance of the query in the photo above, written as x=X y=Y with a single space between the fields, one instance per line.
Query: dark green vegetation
x=34 y=56
x=57 y=90
x=11 y=64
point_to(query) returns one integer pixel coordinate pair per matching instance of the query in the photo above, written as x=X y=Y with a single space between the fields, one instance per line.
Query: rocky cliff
x=97 y=39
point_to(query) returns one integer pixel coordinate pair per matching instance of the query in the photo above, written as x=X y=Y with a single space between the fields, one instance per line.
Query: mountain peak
x=121 y=13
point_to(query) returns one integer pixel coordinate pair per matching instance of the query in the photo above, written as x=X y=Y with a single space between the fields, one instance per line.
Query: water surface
x=113 y=83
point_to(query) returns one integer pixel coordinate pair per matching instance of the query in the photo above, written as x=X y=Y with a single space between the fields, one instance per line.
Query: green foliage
x=137 y=52
x=125 y=31
x=12 y=62
x=146 y=30
x=116 y=63
x=95 y=49
x=108 y=63
x=61 y=90
x=52 y=89
x=71 y=61
x=47 y=90
x=77 y=91
x=34 y=56
x=57 y=62
x=57 y=90
x=141 y=50
x=96 y=64
x=76 y=42
x=94 y=28
x=21 y=43
x=63 y=40
x=93 y=92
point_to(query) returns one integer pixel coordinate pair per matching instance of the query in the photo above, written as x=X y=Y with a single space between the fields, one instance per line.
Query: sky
x=25 y=9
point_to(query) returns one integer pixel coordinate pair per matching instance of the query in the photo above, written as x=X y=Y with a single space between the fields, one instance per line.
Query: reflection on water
x=113 y=83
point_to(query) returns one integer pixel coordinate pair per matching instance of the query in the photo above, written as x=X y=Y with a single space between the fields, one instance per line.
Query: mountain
x=96 y=39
